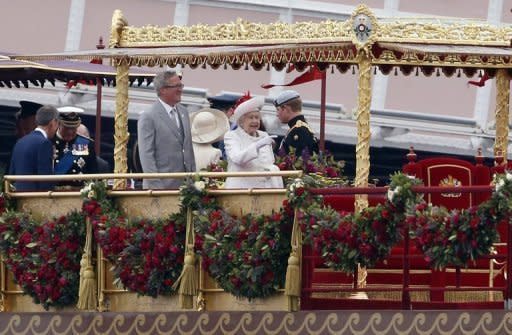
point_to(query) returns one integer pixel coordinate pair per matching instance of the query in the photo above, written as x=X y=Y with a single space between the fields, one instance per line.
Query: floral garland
x=321 y=164
x=44 y=257
x=247 y=256
x=147 y=255
x=459 y=236
x=346 y=240
x=445 y=237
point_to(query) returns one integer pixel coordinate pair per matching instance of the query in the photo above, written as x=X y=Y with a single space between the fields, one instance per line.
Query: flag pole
x=322 y=111
x=99 y=86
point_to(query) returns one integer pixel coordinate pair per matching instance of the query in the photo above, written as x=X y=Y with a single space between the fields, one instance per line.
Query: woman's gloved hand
x=267 y=140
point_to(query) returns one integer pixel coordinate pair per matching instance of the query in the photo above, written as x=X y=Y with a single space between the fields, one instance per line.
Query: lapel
x=167 y=121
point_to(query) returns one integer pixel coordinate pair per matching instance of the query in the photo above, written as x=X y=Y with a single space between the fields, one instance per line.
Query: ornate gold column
x=364 y=29
x=363 y=140
x=121 y=124
x=121 y=115
x=502 y=106
x=363 y=128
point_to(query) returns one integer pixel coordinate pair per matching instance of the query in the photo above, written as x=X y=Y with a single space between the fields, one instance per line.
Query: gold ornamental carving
x=239 y=32
x=242 y=32
x=121 y=134
x=364 y=26
x=118 y=23
x=435 y=31
x=502 y=113
x=363 y=129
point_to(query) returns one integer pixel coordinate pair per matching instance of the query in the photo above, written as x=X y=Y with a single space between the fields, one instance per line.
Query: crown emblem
x=450 y=182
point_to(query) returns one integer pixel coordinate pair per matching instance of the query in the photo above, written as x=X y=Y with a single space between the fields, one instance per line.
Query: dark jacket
x=32 y=155
x=299 y=136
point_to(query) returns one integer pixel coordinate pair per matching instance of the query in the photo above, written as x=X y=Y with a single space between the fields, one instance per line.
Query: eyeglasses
x=174 y=86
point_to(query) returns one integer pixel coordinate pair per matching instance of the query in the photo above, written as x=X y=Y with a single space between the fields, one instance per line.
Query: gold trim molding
x=241 y=32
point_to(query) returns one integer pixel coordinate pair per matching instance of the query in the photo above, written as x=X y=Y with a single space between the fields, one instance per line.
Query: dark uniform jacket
x=32 y=155
x=74 y=157
x=299 y=136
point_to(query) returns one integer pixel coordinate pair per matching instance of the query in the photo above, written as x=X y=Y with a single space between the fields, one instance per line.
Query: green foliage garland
x=44 y=257
x=247 y=256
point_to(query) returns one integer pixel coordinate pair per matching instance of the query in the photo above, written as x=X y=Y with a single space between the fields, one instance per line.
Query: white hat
x=208 y=125
x=251 y=105
x=285 y=96
x=70 y=109
x=70 y=116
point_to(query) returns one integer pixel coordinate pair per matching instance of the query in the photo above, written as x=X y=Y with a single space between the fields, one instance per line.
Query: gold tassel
x=187 y=281
x=87 y=299
x=292 y=288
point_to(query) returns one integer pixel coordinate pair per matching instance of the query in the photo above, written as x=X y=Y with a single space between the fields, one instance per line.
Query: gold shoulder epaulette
x=301 y=123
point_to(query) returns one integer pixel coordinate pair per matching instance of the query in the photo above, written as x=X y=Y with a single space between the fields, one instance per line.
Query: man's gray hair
x=46 y=114
x=161 y=79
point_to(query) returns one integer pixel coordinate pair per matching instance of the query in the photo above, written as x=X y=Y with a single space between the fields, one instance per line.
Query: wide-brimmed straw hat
x=208 y=125
x=252 y=105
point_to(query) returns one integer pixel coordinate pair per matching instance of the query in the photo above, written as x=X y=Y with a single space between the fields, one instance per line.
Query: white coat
x=205 y=154
x=243 y=156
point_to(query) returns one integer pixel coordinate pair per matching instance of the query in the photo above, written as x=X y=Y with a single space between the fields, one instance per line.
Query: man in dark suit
x=300 y=136
x=164 y=135
x=33 y=153
x=74 y=154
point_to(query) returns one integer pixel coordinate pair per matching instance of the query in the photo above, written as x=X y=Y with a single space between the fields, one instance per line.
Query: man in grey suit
x=163 y=134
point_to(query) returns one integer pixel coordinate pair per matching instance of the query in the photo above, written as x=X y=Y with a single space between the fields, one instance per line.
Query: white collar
x=42 y=131
x=167 y=107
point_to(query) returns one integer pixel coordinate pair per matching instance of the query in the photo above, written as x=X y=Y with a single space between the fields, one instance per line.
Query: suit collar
x=42 y=131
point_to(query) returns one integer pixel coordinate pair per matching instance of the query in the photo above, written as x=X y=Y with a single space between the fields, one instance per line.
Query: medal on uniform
x=80 y=149
x=80 y=162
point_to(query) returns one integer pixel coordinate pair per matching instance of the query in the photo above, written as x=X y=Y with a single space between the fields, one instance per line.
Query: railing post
x=406 y=295
x=508 y=295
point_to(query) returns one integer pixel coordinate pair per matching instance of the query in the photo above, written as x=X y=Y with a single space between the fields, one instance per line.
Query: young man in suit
x=163 y=134
x=33 y=153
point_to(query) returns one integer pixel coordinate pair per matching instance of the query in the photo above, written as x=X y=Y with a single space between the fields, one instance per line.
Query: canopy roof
x=17 y=73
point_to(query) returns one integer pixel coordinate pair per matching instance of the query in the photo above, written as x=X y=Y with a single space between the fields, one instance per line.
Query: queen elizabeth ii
x=250 y=149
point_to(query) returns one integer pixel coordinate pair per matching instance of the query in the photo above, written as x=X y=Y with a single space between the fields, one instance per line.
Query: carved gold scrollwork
x=118 y=23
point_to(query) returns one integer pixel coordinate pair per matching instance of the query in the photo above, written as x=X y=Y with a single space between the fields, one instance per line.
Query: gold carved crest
x=450 y=181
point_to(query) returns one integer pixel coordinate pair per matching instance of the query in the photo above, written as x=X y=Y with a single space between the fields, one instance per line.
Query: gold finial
x=118 y=23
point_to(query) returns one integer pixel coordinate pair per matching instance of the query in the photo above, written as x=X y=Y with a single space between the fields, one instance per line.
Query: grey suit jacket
x=161 y=146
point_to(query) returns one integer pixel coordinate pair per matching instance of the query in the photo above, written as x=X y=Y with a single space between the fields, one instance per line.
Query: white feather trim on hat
x=252 y=105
